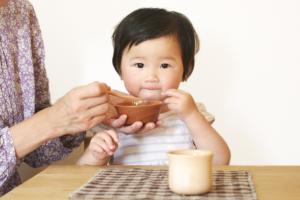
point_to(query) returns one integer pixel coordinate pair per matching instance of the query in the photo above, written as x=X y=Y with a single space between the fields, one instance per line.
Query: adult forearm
x=206 y=137
x=79 y=110
x=31 y=133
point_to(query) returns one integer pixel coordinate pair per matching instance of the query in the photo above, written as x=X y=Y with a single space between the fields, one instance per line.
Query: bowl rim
x=153 y=103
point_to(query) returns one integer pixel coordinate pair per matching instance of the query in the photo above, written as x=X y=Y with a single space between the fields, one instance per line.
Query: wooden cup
x=190 y=171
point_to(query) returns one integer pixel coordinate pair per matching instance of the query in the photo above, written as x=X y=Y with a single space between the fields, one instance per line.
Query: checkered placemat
x=136 y=183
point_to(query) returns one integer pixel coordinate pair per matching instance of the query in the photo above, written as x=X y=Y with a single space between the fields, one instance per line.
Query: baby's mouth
x=150 y=94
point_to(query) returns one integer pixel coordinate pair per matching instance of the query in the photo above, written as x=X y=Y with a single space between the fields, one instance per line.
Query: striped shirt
x=151 y=148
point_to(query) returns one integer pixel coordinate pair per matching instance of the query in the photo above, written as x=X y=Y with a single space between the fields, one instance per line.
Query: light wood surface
x=57 y=181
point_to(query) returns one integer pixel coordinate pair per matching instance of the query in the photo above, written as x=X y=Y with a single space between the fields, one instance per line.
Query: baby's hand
x=135 y=128
x=100 y=149
x=180 y=102
x=104 y=144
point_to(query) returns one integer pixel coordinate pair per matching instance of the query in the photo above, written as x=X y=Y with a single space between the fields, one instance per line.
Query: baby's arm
x=100 y=149
x=203 y=134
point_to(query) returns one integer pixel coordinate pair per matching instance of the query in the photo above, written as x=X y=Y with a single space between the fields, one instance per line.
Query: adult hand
x=80 y=109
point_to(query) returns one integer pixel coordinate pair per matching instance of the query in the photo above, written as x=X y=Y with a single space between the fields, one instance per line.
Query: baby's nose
x=152 y=78
x=152 y=75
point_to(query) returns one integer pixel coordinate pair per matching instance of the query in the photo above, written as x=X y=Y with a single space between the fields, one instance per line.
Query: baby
x=154 y=52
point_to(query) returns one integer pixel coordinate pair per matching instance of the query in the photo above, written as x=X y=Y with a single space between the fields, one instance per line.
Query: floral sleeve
x=8 y=161
x=53 y=150
x=58 y=148
x=42 y=96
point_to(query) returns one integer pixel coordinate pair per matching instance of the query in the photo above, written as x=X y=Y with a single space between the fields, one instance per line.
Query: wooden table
x=57 y=181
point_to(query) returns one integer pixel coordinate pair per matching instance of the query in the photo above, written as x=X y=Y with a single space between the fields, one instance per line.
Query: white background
x=247 y=71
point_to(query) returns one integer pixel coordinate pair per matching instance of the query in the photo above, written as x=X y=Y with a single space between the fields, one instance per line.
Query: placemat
x=136 y=183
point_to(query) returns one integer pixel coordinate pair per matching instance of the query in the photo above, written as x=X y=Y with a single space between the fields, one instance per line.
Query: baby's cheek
x=132 y=88
x=170 y=84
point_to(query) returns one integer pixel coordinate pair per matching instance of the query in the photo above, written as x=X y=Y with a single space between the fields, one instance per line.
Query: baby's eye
x=139 y=65
x=164 y=65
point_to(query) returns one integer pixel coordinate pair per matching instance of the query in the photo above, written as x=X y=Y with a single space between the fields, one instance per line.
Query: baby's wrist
x=89 y=159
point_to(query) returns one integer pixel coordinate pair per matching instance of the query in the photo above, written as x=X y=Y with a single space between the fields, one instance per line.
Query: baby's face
x=152 y=67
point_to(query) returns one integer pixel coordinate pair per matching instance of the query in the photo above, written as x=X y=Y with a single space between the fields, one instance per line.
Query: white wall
x=246 y=72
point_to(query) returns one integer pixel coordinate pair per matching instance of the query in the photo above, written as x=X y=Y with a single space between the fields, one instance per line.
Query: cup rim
x=189 y=153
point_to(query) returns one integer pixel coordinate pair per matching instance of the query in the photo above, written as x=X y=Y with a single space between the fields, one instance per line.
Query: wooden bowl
x=147 y=111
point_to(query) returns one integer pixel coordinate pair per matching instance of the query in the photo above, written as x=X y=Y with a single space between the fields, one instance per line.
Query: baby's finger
x=171 y=100
x=149 y=126
x=158 y=123
x=102 y=145
x=119 y=122
x=113 y=135
x=172 y=106
x=171 y=92
x=133 y=128
x=108 y=140
x=99 y=154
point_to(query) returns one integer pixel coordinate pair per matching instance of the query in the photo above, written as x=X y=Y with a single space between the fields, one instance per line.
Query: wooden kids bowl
x=146 y=111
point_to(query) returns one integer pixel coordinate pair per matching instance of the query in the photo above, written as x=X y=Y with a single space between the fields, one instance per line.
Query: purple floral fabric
x=23 y=90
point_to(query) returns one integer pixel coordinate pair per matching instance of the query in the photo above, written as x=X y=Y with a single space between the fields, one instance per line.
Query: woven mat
x=139 y=183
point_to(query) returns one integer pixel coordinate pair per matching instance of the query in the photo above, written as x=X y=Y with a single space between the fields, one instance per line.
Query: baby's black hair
x=151 y=23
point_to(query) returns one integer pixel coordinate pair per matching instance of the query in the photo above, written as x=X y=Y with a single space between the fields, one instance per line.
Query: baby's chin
x=150 y=94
